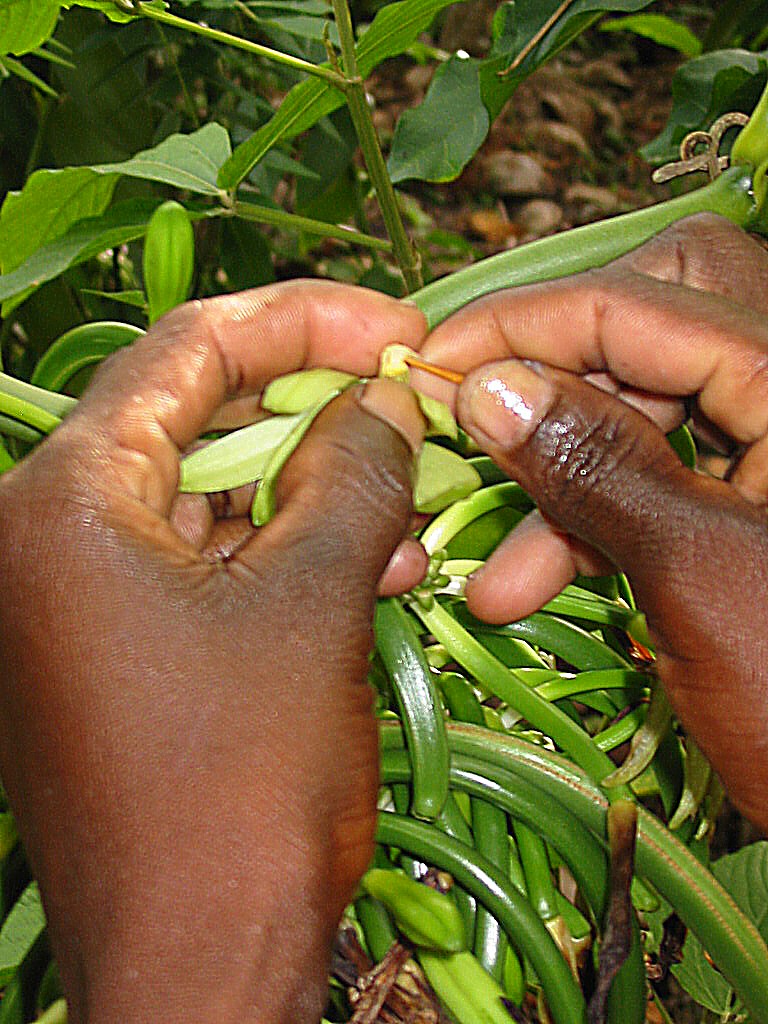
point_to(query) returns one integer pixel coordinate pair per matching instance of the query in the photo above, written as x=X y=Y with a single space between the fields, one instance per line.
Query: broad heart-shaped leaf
x=744 y=875
x=26 y=24
x=482 y=99
x=191 y=162
x=50 y=203
x=20 y=931
x=429 y=147
x=111 y=10
x=705 y=88
x=392 y=31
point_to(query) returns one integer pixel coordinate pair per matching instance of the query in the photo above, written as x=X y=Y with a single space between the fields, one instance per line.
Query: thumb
x=693 y=548
x=604 y=475
x=344 y=498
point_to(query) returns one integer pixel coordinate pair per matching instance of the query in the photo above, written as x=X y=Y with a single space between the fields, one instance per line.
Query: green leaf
x=124 y=222
x=660 y=29
x=392 y=31
x=50 y=203
x=705 y=88
x=53 y=201
x=21 y=930
x=517 y=23
x=736 y=23
x=442 y=477
x=111 y=10
x=514 y=25
x=12 y=1005
x=245 y=255
x=744 y=875
x=26 y=24
x=191 y=162
x=425 y=148
x=59 y=218
x=134 y=297
x=9 y=66
x=301 y=26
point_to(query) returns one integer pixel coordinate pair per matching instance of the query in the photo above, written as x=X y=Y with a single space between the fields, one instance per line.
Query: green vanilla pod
x=169 y=259
x=421 y=713
x=731 y=195
x=442 y=477
x=264 y=502
x=425 y=916
x=83 y=346
x=468 y=991
x=513 y=976
x=298 y=391
x=236 y=459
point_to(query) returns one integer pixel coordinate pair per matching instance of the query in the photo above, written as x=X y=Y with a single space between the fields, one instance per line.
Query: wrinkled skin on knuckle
x=361 y=489
x=705 y=252
x=588 y=465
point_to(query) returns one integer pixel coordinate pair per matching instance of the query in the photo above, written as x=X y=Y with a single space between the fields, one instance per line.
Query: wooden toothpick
x=437 y=371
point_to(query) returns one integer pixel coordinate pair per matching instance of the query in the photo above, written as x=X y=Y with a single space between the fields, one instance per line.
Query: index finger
x=152 y=400
x=664 y=338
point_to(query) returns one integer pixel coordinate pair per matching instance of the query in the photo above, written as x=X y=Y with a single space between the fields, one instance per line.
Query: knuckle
x=753 y=373
x=360 y=497
x=587 y=462
x=376 y=485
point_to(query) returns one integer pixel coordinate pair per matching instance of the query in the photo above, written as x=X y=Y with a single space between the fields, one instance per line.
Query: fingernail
x=506 y=402
x=394 y=403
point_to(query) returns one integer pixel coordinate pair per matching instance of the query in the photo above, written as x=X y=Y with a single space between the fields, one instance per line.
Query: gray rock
x=517 y=174
x=539 y=217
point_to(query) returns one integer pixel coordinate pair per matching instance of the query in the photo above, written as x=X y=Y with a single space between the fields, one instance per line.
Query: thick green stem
x=751 y=144
x=584 y=248
x=507 y=685
x=729 y=936
x=27 y=413
x=360 y=113
x=294 y=222
x=277 y=56
x=488 y=884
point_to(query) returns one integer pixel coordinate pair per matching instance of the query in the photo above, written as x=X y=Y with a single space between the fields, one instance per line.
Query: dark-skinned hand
x=677 y=326
x=186 y=732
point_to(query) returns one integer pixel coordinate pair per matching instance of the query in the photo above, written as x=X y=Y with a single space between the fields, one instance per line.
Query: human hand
x=185 y=727
x=679 y=322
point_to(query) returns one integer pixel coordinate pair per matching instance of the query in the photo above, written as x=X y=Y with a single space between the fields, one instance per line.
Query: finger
x=605 y=475
x=661 y=338
x=531 y=565
x=587 y=460
x=406 y=569
x=666 y=413
x=155 y=398
x=191 y=518
x=694 y=550
x=344 y=498
x=708 y=253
